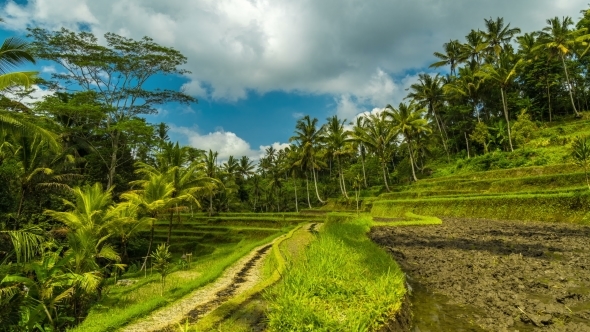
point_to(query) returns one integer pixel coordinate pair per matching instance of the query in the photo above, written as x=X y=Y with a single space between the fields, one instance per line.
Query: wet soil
x=473 y=275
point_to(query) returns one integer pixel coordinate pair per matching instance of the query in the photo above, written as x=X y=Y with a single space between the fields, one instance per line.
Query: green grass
x=564 y=207
x=122 y=305
x=343 y=282
x=412 y=220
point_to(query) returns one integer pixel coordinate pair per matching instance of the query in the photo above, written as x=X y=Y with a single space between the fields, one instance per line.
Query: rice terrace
x=421 y=166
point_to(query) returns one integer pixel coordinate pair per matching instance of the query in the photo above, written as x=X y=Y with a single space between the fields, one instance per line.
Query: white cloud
x=36 y=94
x=48 y=69
x=337 y=47
x=226 y=143
x=297 y=115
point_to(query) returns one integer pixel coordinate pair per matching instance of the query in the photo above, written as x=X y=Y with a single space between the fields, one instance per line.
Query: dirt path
x=503 y=276
x=235 y=280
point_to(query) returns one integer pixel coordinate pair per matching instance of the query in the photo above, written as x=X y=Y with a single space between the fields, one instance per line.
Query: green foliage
x=581 y=155
x=343 y=282
x=161 y=263
x=524 y=129
x=481 y=135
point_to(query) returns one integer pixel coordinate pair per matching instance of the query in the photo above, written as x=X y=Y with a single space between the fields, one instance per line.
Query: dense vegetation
x=84 y=173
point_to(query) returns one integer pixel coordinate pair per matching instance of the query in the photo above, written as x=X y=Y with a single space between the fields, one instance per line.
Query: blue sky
x=258 y=65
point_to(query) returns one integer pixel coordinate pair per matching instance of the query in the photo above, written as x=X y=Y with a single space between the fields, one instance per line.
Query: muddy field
x=495 y=275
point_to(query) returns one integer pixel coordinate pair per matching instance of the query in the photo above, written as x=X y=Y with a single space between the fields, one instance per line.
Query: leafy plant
x=581 y=155
x=161 y=262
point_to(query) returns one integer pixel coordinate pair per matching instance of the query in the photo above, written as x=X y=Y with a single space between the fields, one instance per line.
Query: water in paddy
x=432 y=312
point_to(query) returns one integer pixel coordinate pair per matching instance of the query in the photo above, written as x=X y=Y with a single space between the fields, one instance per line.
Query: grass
x=412 y=220
x=343 y=282
x=565 y=207
x=121 y=305
x=276 y=261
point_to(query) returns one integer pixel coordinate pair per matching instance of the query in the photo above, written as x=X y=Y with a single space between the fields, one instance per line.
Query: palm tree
x=15 y=52
x=558 y=38
x=429 y=93
x=38 y=170
x=246 y=167
x=211 y=171
x=502 y=74
x=451 y=57
x=154 y=197
x=467 y=85
x=408 y=120
x=309 y=136
x=359 y=126
x=337 y=142
x=378 y=136
x=474 y=47
x=498 y=35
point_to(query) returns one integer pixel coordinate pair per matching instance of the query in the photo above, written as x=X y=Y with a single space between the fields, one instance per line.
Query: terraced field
x=217 y=243
x=511 y=252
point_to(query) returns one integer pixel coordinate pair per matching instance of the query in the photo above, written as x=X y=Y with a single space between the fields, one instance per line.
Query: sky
x=259 y=65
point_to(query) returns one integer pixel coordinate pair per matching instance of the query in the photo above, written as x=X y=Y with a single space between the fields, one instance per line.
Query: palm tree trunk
x=507 y=118
x=467 y=142
x=385 y=177
x=411 y=160
x=341 y=178
x=307 y=186
x=170 y=227
x=364 y=173
x=440 y=130
x=315 y=183
x=549 y=98
x=144 y=266
x=210 y=204
x=295 y=186
x=567 y=78
x=21 y=202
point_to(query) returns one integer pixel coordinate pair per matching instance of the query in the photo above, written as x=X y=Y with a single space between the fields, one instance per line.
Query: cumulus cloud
x=36 y=93
x=350 y=49
x=226 y=143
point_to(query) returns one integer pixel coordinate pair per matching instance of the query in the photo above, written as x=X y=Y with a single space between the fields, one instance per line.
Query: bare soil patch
x=501 y=275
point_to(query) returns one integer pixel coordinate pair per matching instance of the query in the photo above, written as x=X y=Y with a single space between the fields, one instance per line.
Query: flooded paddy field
x=487 y=275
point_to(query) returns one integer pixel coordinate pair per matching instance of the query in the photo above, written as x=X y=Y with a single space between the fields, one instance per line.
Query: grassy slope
x=122 y=305
x=503 y=185
x=343 y=282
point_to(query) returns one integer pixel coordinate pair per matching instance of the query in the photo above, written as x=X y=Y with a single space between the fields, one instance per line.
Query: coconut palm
x=153 y=198
x=90 y=219
x=337 y=141
x=309 y=137
x=558 y=38
x=503 y=73
x=40 y=169
x=359 y=126
x=379 y=137
x=408 y=121
x=467 y=85
x=474 y=47
x=245 y=168
x=15 y=52
x=428 y=92
x=498 y=35
x=451 y=57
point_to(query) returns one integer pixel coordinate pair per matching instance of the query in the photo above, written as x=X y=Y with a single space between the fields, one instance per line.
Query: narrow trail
x=235 y=280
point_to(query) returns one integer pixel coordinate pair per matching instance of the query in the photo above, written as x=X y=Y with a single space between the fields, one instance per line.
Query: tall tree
x=428 y=93
x=451 y=57
x=408 y=121
x=558 y=38
x=118 y=73
x=378 y=136
x=337 y=141
x=309 y=136
x=498 y=35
